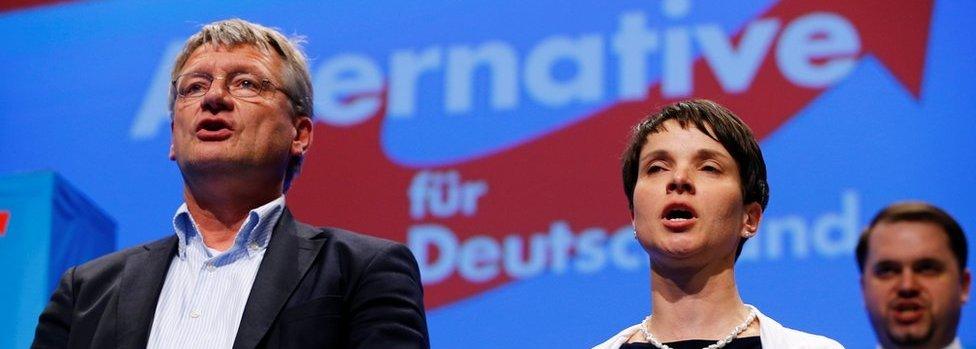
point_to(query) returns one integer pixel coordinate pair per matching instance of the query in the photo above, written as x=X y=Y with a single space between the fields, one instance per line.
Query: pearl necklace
x=645 y=329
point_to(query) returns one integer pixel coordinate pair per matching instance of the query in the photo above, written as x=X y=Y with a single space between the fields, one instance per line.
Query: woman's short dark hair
x=714 y=121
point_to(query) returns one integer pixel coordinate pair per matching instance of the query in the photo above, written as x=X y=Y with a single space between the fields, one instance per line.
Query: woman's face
x=688 y=205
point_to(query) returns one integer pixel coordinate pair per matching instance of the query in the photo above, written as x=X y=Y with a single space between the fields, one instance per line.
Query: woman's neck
x=695 y=304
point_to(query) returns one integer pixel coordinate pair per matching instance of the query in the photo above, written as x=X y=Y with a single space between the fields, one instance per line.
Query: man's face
x=688 y=198
x=913 y=288
x=221 y=132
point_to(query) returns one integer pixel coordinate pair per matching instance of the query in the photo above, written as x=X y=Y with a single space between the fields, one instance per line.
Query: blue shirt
x=205 y=291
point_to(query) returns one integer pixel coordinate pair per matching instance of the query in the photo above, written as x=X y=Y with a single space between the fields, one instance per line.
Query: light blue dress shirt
x=205 y=291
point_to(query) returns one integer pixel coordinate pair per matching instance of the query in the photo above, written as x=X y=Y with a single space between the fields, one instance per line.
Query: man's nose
x=680 y=182
x=217 y=98
x=908 y=284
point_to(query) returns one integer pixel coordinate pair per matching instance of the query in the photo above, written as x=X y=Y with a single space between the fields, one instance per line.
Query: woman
x=696 y=183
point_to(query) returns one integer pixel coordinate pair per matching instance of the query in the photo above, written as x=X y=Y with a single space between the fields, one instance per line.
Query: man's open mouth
x=907 y=312
x=214 y=130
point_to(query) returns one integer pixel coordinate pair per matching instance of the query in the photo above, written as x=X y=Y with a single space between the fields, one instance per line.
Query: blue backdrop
x=853 y=112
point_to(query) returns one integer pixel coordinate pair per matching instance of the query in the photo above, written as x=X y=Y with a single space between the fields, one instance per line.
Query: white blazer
x=771 y=334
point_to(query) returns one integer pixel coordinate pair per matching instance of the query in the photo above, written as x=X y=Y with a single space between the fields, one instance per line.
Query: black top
x=738 y=343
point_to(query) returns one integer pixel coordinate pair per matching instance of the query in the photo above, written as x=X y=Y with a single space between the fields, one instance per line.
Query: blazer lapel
x=290 y=253
x=142 y=280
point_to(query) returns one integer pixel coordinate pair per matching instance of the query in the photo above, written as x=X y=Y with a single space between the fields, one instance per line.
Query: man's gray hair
x=235 y=32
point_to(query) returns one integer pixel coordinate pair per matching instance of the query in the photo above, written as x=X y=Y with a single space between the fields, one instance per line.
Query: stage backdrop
x=486 y=136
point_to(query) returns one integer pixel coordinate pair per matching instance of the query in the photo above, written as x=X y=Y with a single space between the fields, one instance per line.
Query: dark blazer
x=316 y=288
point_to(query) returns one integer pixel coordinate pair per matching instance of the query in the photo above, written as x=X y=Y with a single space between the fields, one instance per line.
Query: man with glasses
x=912 y=259
x=240 y=271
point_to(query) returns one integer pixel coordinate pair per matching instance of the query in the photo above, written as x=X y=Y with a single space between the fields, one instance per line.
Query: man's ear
x=172 y=152
x=966 y=279
x=303 y=136
x=750 y=219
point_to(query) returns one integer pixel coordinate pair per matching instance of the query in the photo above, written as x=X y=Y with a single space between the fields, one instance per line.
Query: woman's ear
x=750 y=219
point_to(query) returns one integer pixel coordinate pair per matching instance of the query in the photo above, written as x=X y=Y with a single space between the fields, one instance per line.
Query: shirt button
x=194 y=314
x=253 y=246
x=210 y=267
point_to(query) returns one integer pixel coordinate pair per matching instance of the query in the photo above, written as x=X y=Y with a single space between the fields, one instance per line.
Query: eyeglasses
x=240 y=85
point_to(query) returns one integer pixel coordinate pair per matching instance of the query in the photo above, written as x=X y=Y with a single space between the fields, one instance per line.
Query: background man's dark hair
x=716 y=122
x=916 y=212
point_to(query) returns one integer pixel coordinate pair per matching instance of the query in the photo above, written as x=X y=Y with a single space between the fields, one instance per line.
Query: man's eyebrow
x=928 y=261
x=230 y=68
x=884 y=263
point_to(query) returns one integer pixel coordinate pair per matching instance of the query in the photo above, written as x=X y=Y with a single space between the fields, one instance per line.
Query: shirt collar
x=253 y=236
x=956 y=344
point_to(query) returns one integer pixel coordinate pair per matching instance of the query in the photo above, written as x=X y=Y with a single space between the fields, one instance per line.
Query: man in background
x=239 y=271
x=912 y=259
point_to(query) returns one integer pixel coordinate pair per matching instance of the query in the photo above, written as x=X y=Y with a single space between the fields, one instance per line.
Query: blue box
x=50 y=226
